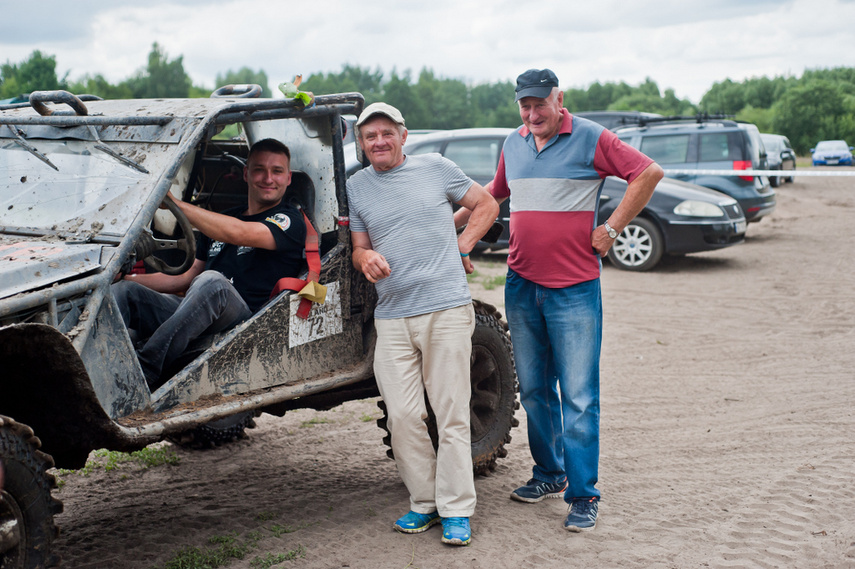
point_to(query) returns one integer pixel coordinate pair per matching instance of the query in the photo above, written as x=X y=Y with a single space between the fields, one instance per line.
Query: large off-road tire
x=216 y=433
x=26 y=506
x=494 y=389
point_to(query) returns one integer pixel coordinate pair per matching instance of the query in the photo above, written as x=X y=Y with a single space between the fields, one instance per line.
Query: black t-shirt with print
x=253 y=271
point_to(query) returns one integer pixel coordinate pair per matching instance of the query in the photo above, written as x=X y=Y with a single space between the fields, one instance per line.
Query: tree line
x=818 y=105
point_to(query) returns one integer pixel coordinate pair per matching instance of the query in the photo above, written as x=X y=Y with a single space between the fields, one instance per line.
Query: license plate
x=831 y=161
x=739 y=226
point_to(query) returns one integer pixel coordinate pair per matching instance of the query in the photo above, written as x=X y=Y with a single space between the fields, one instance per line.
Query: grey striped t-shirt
x=408 y=216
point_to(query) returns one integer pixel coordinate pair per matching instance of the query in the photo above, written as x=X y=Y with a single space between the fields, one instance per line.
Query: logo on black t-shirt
x=215 y=248
x=280 y=220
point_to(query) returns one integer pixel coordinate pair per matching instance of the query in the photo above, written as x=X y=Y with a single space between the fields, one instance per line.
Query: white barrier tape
x=781 y=173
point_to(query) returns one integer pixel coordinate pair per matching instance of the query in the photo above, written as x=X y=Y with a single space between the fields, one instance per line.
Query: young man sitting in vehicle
x=240 y=256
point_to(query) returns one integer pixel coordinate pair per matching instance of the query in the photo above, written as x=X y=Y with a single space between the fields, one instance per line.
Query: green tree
x=99 y=86
x=764 y=119
x=446 y=102
x=725 y=97
x=161 y=78
x=36 y=73
x=245 y=76
x=811 y=112
x=351 y=78
x=399 y=93
x=493 y=105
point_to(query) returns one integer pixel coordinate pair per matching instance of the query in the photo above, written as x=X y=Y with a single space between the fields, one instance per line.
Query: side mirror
x=812 y=150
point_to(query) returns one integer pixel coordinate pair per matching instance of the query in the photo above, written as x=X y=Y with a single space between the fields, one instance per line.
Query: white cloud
x=686 y=46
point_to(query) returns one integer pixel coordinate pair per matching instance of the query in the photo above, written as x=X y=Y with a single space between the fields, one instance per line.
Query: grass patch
x=494 y=282
x=270 y=559
x=279 y=530
x=110 y=460
x=366 y=418
x=314 y=421
x=224 y=549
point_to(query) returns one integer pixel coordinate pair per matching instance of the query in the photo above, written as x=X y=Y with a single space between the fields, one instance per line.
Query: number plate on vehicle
x=739 y=226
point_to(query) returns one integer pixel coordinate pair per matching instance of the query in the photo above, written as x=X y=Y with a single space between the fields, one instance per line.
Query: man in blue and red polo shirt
x=552 y=169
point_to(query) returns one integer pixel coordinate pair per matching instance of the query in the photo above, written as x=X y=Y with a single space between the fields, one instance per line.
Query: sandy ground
x=728 y=437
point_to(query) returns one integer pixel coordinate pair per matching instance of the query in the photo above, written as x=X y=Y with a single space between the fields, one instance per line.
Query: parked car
x=680 y=218
x=832 y=153
x=686 y=147
x=780 y=156
x=79 y=205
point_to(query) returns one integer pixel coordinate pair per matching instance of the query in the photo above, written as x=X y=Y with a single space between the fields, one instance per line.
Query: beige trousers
x=430 y=354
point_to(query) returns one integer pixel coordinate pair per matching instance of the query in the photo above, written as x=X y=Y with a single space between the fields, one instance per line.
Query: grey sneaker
x=582 y=515
x=536 y=490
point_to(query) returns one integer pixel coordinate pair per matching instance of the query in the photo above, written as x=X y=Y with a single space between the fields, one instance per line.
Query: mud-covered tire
x=27 y=529
x=494 y=388
x=217 y=432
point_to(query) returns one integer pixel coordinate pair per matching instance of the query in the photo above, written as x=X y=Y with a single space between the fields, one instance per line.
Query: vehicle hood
x=681 y=191
x=30 y=265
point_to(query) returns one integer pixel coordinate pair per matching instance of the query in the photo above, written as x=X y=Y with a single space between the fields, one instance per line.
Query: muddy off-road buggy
x=81 y=182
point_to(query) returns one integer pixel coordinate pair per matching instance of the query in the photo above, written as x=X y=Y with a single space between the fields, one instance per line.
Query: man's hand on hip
x=600 y=240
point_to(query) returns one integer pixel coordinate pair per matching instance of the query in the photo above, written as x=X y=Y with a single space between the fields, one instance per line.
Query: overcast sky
x=683 y=45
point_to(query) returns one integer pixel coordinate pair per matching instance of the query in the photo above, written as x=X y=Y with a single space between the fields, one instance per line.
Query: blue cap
x=535 y=83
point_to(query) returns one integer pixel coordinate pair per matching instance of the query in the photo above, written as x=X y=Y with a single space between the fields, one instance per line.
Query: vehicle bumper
x=696 y=236
x=758 y=207
x=833 y=162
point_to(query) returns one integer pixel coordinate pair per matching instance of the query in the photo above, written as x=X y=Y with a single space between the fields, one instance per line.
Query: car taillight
x=743 y=165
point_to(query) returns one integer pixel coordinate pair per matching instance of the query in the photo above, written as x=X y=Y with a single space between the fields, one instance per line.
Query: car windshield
x=832 y=145
x=772 y=144
x=56 y=186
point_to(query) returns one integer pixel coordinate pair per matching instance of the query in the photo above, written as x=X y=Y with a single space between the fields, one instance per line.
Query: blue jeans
x=556 y=334
x=171 y=322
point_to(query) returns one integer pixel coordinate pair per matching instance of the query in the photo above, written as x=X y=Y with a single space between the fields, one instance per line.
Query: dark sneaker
x=582 y=515
x=413 y=522
x=536 y=490
x=455 y=531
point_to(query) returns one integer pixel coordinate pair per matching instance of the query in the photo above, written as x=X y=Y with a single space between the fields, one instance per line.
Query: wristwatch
x=612 y=233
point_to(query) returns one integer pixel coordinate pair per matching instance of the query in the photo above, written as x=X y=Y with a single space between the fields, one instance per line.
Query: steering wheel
x=149 y=244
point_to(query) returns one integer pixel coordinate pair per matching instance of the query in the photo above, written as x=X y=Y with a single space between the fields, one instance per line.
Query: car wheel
x=494 y=388
x=774 y=181
x=639 y=247
x=26 y=506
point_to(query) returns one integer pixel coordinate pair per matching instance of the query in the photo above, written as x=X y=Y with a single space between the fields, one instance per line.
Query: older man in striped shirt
x=404 y=241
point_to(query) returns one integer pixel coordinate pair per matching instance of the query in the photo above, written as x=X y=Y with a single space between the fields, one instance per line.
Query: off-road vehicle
x=79 y=204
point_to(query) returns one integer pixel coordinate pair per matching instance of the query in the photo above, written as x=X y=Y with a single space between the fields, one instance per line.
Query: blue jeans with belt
x=557 y=334
x=171 y=322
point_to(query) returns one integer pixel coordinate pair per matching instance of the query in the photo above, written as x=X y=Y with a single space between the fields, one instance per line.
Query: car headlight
x=692 y=208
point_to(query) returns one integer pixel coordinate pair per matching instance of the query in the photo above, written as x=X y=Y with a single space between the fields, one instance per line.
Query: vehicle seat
x=301 y=193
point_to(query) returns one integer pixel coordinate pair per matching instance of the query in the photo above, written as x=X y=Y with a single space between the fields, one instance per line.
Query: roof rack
x=698 y=118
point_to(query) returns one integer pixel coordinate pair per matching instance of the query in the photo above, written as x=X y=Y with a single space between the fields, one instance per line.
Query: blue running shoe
x=536 y=490
x=582 y=515
x=413 y=522
x=455 y=531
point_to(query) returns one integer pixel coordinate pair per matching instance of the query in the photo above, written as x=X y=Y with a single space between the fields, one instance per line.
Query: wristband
x=464 y=254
